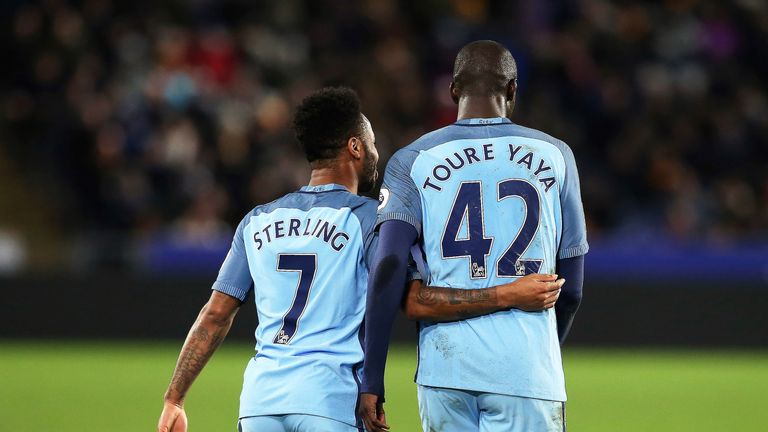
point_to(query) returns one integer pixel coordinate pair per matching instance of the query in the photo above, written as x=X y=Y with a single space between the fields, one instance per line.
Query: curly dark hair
x=325 y=120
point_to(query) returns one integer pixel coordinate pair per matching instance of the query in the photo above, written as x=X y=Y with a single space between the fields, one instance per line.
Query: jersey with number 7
x=308 y=254
x=492 y=201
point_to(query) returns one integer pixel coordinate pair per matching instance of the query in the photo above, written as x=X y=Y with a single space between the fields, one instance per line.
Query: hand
x=531 y=293
x=173 y=418
x=372 y=413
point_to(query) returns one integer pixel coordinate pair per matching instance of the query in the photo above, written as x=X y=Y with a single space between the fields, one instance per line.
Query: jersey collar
x=483 y=121
x=323 y=188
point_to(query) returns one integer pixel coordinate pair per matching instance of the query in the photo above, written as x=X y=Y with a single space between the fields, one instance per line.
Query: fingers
x=378 y=426
x=378 y=421
x=166 y=422
x=172 y=419
x=181 y=423
x=382 y=419
x=543 y=277
x=373 y=424
x=367 y=421
x=372 y=414
x=554 y=285
x=551 y=299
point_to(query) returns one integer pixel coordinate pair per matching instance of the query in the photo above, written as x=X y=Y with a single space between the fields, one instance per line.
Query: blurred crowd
x=139 y=121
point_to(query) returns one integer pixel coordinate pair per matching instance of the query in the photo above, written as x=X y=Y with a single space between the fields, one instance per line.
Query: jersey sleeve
x=370 y=250
x=371 y=242
x=413 y=272
x=234 y=277
x=573 y=242
x=399 y=198
x=366 y=216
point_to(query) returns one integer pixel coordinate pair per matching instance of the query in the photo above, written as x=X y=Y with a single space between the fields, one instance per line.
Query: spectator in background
x=126 y=117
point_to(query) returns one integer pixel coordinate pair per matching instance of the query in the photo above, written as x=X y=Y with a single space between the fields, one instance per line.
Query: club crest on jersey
x=383 y=198
x=282 y=338
x=478 y=271
x=519 y=268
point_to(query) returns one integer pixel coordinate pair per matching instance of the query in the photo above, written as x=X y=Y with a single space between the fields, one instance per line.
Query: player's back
x=490 y=198
x=306 y=253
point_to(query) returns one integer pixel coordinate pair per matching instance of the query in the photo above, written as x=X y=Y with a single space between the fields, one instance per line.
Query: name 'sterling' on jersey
x=470 y=155
x=320 y=229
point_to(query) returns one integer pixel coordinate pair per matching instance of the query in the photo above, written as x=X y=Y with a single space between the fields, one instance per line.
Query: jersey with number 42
x=307 y=253
x=492 y=201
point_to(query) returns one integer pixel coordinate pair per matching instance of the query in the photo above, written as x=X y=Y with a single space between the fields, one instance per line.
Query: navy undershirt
x=386 y=287
x=572 y=270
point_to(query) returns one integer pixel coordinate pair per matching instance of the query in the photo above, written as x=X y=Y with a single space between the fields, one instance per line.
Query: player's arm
x=205 y=336
x=572 y=269
x=534 y=292
x=386 y=287
x=573 y=246
x=399 y=220
x=211 y=326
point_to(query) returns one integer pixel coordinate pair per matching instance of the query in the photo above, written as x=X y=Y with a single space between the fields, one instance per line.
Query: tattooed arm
x=204 y=338
x=534 y=292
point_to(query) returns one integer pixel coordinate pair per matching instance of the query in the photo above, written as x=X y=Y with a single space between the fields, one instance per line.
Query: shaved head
x=483 y=68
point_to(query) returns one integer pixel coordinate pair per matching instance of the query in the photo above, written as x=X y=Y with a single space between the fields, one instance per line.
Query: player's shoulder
x=406 y=155
x=362 y=202
x=338 y=198
x=364 y=208
x=528 y=132
x=436 y=137
x=286 y=201
x=289 y=200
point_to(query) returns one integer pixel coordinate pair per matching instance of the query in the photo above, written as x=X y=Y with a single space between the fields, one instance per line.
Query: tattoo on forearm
x=195 y=354
x=431 y=296
x=427 y=296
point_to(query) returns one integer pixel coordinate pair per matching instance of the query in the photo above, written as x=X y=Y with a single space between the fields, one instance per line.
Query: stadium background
x=134 y=135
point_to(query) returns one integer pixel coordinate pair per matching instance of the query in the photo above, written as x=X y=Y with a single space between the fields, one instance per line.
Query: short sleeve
x=370 y=244
x=234 y=276
x=366 y=215
x=574 y=238
x=399 y=198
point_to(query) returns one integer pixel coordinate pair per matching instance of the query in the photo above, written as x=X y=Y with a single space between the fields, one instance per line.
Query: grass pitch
x=118 y=386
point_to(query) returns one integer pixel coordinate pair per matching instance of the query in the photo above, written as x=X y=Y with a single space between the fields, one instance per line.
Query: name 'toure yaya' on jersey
x=471 y=155
x=325 y=231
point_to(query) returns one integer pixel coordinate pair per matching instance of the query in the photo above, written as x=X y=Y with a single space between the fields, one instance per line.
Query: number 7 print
x=305 y=264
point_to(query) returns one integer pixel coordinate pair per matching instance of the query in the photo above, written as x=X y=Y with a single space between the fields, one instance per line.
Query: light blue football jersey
x=492 y=201
x=306 y=257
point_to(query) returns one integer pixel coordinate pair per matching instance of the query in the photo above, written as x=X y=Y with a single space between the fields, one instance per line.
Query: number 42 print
x=468 y=208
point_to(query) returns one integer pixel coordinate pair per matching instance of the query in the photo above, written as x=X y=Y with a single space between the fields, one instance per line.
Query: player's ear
x=511 y=89
x=355 y=147
x=454 y=92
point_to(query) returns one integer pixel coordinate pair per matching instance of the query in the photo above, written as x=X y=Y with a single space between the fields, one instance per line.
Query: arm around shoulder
x=530 y=293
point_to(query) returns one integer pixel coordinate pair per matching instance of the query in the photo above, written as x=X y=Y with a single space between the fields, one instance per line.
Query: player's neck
x=340 y=175
x=481 y=107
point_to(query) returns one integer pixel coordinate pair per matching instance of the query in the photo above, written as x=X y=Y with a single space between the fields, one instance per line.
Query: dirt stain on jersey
x=444 y=346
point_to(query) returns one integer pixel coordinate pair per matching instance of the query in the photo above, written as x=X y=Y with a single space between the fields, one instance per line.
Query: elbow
x=216 y=315
x=569 y=300
x=411 y=313
x=414 y=309
x=415 y=312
